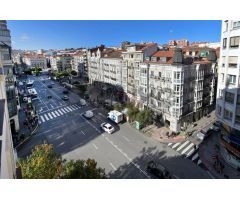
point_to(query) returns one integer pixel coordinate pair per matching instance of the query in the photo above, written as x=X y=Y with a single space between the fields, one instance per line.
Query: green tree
x=83 y=170
x=118 y=107
x=144 y=117
x=43 y=163
x=82 y=88
x=132 y=112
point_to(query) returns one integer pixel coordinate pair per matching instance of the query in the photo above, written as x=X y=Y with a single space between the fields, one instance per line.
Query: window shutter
x=232 y=59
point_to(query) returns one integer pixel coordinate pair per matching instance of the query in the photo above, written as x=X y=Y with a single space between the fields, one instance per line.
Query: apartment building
x=8 y=105
x=34 y=60
x=228 y=93
x=61 y=62
x=79 y=63
x=172 y=86
x=178 y=43
x=133 y=56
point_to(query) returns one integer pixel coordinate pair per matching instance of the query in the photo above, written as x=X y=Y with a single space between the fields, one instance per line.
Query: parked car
x=88 y=114
x=49 y=86
x=83 y=102
x=215 y=128
x=217 y=124
x=65 y=97
x=107 y=127
x=202 y=134
x=157 y=170
x=65 y=92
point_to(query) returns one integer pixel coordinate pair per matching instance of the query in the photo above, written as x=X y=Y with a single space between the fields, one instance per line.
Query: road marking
x=50 y=115
x=42 y=118
x=199 y=162
x=95 y=146
x=190 y=152
x=112 y=166
x=69 y=108
x=187 y=148
x=129 y=159
x=94 y=120
x=183 y=145
x=78 y=106
x=72 y=107
x=175 y=145
x=53 y=114
x=169 y=144
x=195 y=157
x=51 y=106
x=60 y=112
x=126 y=138
x=89 y=123
x=82 y=132
x=56 y=112
x=66 y=109
x=45 y=115
x=63 y=110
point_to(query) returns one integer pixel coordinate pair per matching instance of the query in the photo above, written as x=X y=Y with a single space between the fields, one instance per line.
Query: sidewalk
x=210 y=153
x=163 y=134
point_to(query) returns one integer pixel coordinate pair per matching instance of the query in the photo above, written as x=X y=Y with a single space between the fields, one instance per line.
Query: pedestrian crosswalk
x=44 y=117
x=189 y=150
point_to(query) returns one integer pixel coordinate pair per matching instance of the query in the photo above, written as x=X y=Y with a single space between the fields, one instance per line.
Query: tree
x=118 y=107
x=132 y=112
x=43 y=163
x=144 y=117
x=83 y=170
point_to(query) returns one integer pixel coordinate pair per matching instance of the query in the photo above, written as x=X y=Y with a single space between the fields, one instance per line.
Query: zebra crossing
x=57 y=113
x=189 y=150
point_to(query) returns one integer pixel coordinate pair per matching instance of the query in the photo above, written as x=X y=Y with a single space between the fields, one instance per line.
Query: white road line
x=53 y=114
x=42 y=118
x=50 y=115
x=82 y=132
x=94 y=120
x=112 y=166
x=126 y=138
x=63 y=110
x=90 y=123
x=175 y=145
x=95 y=146
x=129 y=159
x=66 y=109
x=169 y=144
x=199 y=162
x=183 y=145
x=56 y=112
x=78 y=106
x=69 y=108
x=51 y=106
x=101 y=115
x=190 y=152
x=45 y=115
x=72 y=107
x=60 y=112
x=187 y=148
x=195 y=157
x=75 y=107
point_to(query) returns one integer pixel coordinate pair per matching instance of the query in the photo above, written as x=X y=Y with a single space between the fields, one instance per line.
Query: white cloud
x=24 y=37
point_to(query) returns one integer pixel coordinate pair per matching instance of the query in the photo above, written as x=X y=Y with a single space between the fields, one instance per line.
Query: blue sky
x=65 y=34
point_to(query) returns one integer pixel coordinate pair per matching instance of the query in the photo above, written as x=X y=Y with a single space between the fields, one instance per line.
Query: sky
x=50 y=34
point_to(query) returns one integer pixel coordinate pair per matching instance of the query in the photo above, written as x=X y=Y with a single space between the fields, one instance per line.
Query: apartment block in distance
x=228 y=93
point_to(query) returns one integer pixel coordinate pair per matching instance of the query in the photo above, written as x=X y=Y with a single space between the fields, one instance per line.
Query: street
x=123 y=154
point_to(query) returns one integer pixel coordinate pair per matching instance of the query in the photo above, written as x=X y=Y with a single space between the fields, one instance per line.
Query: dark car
x=65 y=97
x=157 y=170
x=65 y=92
x=49 y=86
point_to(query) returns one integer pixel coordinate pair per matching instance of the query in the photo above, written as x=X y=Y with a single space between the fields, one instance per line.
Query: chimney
x=178 y=56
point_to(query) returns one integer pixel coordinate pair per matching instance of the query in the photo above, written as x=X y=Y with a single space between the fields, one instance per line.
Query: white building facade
x=228 y=93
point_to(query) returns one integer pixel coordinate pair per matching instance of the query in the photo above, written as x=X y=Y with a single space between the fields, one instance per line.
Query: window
x=177 y=75
x=219 y=110
x=232 y=61
x=234 y=41
x=152 y=73
x=231 y=79
x=224 y=43
x=226 y=25
x=222 y=77
x=238 y=99
x=220 y=93
x=228 y=114
x=131 y=56
x=236 y=24
x=159 y=74
x=229 y=97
